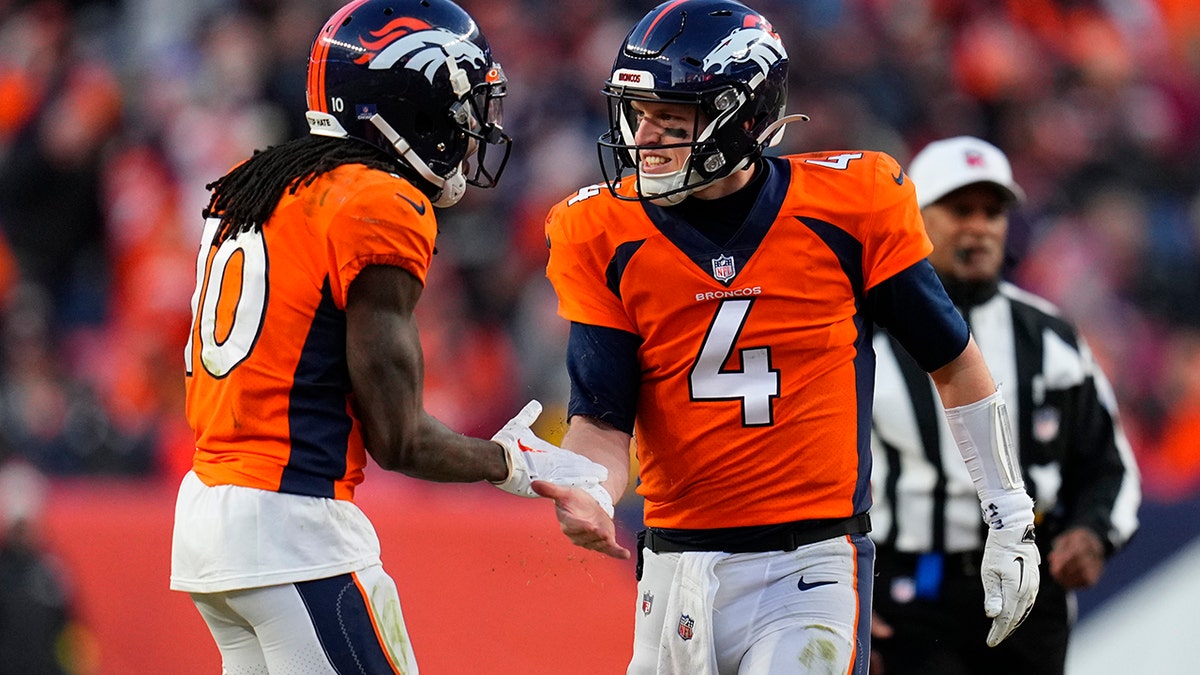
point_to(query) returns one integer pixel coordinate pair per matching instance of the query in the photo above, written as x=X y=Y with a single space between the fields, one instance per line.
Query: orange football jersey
x=268 y=386
x=757 y=369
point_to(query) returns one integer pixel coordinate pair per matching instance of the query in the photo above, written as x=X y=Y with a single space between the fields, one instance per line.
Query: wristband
x=981 y=431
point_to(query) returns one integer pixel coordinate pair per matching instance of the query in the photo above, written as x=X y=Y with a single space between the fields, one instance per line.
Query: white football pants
x=350 y=623
x=802 y=612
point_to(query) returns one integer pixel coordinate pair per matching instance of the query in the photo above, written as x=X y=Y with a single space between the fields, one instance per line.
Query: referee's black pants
x=947 y=634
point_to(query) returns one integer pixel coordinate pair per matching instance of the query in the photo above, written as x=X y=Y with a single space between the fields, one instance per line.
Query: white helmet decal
x=430 y=50
x=745 y=44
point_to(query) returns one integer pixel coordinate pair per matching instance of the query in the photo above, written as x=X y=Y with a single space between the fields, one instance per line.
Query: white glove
x=531 y=458
x=1010 y=562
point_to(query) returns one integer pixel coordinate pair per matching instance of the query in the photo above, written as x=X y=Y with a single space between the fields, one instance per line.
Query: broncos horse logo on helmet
x=745 y=44
x=428 y=51
x=718 y=55
x=415 y=78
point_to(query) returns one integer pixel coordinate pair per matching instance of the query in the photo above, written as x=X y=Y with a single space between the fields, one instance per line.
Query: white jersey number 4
x=755 y=385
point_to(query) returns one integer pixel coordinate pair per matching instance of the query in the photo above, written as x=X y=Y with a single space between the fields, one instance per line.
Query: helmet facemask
x=481 y=117
x=716 y=136
x=477 y=120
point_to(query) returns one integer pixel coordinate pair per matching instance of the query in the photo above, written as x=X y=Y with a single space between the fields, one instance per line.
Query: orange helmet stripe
x=654 y=23
x=320 y=50
x=404 y=25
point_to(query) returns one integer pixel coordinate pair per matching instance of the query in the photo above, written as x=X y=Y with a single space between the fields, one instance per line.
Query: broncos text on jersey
x=756 y=360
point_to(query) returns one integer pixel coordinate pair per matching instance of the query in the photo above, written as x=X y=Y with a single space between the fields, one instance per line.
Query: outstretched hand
x=583 y=519
x=532 y=458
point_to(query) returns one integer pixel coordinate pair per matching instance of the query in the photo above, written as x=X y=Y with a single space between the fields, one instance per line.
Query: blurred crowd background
x=115 y=114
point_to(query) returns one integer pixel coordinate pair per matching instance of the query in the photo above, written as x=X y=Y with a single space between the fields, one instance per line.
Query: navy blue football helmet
x=718 y=55
x=415 y=78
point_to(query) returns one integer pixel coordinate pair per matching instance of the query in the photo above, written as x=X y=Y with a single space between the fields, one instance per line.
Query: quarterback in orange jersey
x=304 y=354
x=722 y=306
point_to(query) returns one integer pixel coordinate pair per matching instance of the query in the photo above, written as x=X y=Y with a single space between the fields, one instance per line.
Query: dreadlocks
x=245 y=197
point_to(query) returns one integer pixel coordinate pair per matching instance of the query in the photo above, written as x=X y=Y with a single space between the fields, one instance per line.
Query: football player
x=304 y=353
x=721 y=305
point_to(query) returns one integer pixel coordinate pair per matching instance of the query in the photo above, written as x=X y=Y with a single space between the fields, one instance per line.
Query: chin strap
x=450 y=189
x=657 y=184
x=675 y=198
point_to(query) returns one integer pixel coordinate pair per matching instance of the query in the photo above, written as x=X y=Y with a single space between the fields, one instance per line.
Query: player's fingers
x=997 y=634
x=1006 y=623
x=550 y=490
x=1002 y=626
x=528 y=414
x=994 y=595
x=611 y=548
x=992 y=606
x=618 y=552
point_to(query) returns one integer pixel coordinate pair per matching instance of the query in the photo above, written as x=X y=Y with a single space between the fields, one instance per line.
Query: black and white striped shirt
x=1077 y=463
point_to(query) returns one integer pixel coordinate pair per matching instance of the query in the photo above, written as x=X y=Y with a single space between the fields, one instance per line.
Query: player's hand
x=585 y=521
x=531 y=458
x=1077 y=558
x=1010 y=563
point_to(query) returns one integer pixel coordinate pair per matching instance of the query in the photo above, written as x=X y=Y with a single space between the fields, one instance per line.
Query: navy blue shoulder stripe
x=847 y=249
x=616 y=266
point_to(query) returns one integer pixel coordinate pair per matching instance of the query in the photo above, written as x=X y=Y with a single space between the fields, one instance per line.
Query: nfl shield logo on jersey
x=647 y=602
x=686 y=623
x=723 y=268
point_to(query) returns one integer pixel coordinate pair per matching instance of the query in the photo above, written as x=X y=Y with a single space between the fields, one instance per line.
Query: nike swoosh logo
x=899 y=178
x=526 y=448
x=805 y=586
x=1020 y=579
x=419 y=207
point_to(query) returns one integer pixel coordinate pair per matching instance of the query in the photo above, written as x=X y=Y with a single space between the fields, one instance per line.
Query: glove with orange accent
x=532 y=458
x=1010 y=562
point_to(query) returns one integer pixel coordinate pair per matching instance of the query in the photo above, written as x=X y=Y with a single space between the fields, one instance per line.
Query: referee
x=1075 y=459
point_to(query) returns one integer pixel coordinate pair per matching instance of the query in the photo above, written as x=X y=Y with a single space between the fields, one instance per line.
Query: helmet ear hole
x=423 y=125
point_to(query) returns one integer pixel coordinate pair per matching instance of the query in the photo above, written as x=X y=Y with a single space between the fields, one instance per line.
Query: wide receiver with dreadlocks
x=304 y=353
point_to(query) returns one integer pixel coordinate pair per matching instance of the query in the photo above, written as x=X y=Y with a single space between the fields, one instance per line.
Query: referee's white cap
x=952 y=163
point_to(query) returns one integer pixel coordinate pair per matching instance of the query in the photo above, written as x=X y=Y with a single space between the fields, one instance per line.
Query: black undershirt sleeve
x=605 y=376
x=914 y=308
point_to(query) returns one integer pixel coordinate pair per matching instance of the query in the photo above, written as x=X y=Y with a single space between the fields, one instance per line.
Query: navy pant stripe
x=343 y=622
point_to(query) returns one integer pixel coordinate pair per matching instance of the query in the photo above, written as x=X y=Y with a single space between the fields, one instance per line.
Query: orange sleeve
x=579 y=259
x=895 y=237
x=388 y=222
